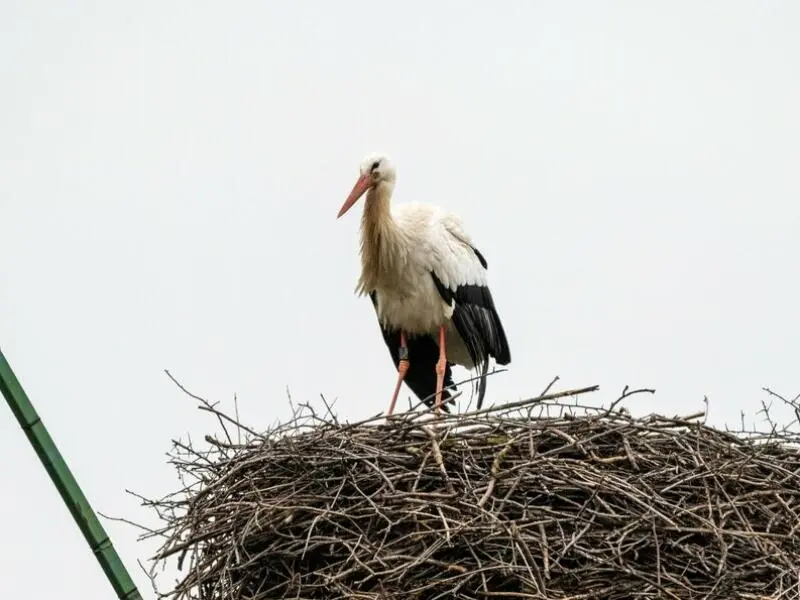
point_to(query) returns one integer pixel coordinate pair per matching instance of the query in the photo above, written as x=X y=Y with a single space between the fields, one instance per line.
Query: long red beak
x=359 y=189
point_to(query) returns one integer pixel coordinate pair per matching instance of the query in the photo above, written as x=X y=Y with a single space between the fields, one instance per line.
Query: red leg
x=441 y=365
x=402 y=369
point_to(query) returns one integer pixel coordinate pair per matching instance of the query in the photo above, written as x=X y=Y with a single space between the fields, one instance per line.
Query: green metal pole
x=64 y=481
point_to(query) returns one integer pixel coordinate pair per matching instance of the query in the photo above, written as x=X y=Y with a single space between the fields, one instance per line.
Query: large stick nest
x=523 y=501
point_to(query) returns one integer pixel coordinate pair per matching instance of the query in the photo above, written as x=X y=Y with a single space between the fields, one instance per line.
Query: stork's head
x=376 y=170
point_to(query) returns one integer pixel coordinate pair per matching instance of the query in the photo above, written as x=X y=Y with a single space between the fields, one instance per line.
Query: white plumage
x=407 y=295
x=428 y=284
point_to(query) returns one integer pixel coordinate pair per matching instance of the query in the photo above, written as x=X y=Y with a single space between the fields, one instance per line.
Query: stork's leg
x=402 y=369
x=441 y=366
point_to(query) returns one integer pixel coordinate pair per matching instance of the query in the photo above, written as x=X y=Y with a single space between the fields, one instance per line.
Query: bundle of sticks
x=519 y=501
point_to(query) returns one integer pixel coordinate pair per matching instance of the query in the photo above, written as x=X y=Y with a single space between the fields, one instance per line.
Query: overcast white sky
x=170 y=174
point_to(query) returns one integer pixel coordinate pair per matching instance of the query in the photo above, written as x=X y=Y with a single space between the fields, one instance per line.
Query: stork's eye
x=375 y=165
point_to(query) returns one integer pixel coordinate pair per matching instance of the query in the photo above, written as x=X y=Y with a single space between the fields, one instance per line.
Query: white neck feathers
x=382 y=241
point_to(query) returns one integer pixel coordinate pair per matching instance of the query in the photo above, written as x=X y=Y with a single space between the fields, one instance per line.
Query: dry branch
x=524 y=501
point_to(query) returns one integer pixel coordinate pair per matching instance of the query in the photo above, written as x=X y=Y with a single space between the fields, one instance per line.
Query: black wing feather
x=477 y=322
x=423 y=354
x=482 y=260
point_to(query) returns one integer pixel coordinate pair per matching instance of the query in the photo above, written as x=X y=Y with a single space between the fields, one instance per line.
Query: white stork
x=429 y=288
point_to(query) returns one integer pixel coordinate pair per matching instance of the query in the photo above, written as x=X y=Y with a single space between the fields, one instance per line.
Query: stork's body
x=428 y=284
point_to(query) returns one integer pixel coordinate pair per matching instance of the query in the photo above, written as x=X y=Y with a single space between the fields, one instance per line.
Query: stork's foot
x=441 y=367
x=402 y=369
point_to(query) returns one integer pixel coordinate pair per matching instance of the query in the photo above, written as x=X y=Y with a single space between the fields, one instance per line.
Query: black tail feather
x=482 y=385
